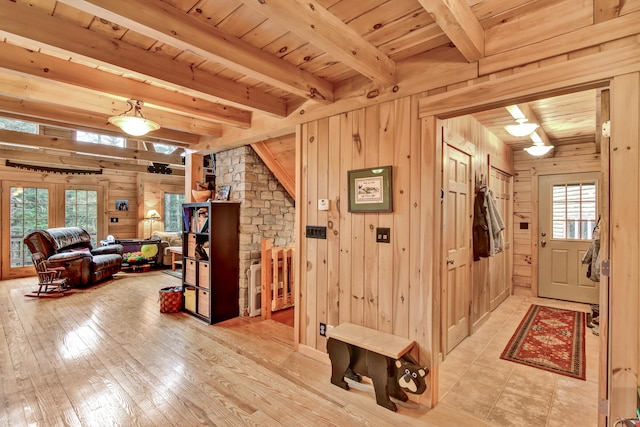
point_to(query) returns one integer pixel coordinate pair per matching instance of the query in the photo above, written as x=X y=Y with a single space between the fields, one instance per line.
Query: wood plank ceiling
x=208 y=68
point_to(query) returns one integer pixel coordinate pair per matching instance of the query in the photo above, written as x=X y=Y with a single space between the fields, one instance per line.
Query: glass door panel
x=32 y=206
x=29 y=208
x=81 y=210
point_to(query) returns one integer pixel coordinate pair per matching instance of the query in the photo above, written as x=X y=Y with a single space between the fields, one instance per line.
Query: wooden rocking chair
x=50 y=282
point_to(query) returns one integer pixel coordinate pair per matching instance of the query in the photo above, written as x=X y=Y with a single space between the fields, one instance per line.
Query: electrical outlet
x=323 y=329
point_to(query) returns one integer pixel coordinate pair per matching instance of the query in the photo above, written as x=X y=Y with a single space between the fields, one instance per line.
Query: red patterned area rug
x=551 y=339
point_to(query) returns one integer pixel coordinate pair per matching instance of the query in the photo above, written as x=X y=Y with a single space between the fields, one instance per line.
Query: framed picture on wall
x=370 y=189
x=222 y=192
x=122 y=205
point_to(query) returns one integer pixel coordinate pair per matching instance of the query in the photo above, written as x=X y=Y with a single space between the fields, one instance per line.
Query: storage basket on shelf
x=190 y=298
x=171 y=299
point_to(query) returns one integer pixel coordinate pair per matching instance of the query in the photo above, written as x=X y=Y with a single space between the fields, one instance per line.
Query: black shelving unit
x=211 y=282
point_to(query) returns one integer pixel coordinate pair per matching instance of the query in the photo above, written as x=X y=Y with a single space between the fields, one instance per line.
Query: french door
x=28 y=206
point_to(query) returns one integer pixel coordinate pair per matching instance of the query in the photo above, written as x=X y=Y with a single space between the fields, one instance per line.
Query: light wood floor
x=106 y=356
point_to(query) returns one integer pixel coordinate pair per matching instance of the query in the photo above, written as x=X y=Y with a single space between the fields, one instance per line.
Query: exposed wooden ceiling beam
x=458 y=22
x=311 y=21
x=37 y=64
x=28 y=25
x=604 y=10
x=45 y=90
x=28 y=139
x=80 y=160
x=446 y=67
x=170 y=25
x=77 y=119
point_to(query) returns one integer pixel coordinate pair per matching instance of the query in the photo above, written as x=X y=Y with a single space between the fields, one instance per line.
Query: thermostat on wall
x=323 y=204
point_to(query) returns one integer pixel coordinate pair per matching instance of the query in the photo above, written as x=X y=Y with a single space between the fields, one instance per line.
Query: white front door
x=568 y=213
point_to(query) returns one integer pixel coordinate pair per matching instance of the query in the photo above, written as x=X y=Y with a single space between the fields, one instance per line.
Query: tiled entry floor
x=473 y=378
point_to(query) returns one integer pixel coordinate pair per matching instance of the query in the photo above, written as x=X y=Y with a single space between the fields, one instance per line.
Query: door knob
x=543 y=243
x=450 y=261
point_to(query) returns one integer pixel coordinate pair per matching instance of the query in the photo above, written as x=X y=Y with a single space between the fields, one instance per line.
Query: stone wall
x=266 y=209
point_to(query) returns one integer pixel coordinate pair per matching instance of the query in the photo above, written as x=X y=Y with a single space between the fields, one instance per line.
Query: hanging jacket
x=592 y=256
x=496 y=224
x=480 y=228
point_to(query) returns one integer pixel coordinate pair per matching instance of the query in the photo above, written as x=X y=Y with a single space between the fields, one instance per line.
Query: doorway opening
x=569 y=122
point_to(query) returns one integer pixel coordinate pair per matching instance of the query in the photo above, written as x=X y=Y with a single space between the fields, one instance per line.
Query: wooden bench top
x=371 y=339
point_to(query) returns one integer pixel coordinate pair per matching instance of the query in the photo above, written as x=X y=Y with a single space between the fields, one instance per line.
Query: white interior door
x=457 y=241
x=568 y=212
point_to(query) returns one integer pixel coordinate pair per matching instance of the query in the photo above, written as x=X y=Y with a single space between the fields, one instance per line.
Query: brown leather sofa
x=71 y=248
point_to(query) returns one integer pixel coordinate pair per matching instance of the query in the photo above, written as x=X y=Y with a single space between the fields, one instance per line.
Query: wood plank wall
x=119 y=185
x=349 y=277
x=574 y=158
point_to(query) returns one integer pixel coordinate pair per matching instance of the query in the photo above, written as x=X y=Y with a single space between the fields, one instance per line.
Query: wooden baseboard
x=314 y=354
x=528 y=292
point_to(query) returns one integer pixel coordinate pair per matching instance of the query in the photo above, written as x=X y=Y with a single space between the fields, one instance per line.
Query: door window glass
x=81 y=210
x=574 y=211
x=29 y=211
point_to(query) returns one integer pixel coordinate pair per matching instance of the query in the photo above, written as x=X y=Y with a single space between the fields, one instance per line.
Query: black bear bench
x=356 y=350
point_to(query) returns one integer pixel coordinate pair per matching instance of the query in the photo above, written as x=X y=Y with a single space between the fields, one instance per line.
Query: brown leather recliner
x=71 y=248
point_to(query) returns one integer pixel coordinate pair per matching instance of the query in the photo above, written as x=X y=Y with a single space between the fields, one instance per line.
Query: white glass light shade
x=136 y=126
x=522 y=128
x=538 y=149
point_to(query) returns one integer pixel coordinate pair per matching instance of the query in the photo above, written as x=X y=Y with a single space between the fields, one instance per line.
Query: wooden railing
x=277 y=278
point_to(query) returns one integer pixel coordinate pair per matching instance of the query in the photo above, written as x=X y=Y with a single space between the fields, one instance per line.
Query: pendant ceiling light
x=538 y=148
x=135 y=124
x=522 y=128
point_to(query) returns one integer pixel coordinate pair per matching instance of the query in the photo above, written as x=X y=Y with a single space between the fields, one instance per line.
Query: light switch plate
x=383 y=235
x=323 y=204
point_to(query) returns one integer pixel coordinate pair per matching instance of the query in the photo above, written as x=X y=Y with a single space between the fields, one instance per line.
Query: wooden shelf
x=214 y=275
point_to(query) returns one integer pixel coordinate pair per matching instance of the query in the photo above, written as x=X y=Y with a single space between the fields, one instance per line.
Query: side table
x=175 y=250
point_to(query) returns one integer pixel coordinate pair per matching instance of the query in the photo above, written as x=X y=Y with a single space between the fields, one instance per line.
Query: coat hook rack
x=481 y=182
